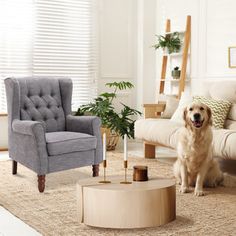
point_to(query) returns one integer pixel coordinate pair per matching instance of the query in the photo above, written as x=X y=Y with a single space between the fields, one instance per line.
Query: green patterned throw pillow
x=219 y=109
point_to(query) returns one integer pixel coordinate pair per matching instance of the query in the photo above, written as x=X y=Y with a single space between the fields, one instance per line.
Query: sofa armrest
x=89 y=125
x=153 y=110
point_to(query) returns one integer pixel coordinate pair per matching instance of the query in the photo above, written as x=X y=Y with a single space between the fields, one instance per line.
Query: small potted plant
x=114 y=123
x=175 y=73
x=170 y=43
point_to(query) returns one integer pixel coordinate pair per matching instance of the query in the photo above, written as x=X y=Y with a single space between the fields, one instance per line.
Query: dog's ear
x=209 y=113
x=185 y=116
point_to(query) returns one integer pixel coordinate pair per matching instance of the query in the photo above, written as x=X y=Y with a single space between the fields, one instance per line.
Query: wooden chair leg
x=14 y=167
x=95 y=170
x=149 y=150
x=41 y=183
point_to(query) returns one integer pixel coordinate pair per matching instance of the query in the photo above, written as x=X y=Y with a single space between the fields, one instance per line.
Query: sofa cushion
x=161 y=131
x=185 y=100
x=219 y=109
x=67 y=142
x=225 y=90
x=171 y=106
x=224 y=143
x=230 y=124
x=232 y=112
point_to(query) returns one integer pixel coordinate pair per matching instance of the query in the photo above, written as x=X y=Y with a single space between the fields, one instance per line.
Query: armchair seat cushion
x=67 y=142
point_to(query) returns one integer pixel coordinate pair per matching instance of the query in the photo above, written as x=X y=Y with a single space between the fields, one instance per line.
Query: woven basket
x=112 y=138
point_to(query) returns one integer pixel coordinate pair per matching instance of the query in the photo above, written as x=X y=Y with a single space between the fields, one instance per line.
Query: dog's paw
x=199 y=193
x=183 y=189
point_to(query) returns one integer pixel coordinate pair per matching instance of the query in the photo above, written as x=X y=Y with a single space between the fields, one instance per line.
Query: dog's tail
x=228 y=180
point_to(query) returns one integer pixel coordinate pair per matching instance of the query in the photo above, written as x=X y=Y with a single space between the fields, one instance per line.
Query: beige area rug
x=54 y=212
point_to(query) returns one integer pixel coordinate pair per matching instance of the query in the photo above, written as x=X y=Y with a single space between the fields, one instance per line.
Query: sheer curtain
x=50 y=38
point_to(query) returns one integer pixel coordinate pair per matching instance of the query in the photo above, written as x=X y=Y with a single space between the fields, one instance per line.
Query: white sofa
x=155 y=131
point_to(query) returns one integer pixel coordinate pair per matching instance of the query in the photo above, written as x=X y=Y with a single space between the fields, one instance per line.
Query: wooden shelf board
x=175 y=54
x=173 y=80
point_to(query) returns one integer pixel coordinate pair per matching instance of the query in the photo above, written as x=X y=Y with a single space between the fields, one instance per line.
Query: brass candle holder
x=104 y=181
x=126 y=166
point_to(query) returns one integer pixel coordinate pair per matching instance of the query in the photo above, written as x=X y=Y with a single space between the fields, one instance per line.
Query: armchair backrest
x=44 y=99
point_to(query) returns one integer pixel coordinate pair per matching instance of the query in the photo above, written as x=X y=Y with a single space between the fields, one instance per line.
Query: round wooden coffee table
x=136 y=205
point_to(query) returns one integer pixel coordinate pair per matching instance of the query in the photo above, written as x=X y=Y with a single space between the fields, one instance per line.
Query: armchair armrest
x=89 y=125
x=83 y=124
x=29 y=137
x=28 y=127
x=153 y=110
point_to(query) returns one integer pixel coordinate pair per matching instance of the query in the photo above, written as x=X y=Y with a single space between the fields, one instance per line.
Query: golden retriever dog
x=195 y=165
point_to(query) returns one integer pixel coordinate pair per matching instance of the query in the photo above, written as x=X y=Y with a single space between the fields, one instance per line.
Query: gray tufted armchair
x=43 y=135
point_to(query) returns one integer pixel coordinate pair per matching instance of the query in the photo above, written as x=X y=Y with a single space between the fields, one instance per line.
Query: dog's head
x=197 y=115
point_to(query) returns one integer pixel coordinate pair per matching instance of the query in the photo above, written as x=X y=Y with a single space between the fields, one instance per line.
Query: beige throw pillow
x=219 y=109
x=185 y=100
x=170 y=108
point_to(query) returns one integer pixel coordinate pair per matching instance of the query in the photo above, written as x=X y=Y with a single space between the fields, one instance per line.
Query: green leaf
x=120 y=85
x=108 y=95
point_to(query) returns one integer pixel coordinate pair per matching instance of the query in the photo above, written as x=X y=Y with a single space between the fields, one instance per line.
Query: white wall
x=127 y=30
x=117 y=45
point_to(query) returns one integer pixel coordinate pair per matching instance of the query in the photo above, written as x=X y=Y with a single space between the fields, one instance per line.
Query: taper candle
x=104 y=146
x=125 y=147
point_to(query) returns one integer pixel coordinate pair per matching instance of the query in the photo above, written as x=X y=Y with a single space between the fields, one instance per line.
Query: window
x=50 y=38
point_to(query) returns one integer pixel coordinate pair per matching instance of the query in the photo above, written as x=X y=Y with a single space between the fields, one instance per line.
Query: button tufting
x=33 y=119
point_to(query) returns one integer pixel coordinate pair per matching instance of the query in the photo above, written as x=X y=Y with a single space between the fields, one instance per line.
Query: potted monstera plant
x=170 y=43
x=114 y=123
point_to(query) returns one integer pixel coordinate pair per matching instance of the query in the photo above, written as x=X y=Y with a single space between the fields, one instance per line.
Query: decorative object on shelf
x=115 y=123
x=170 y=43
x=140 y=173
x=125 y=160
x=232 y=57
x=175 y=73
x=104 y=181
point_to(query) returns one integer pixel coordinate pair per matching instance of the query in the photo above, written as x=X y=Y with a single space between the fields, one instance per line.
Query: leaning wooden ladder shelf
x=154 y=110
